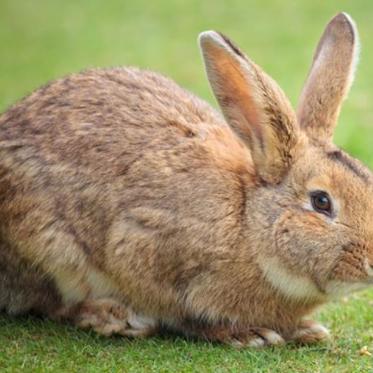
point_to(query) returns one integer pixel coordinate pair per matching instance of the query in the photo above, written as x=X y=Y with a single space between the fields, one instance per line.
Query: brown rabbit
x=129 y=205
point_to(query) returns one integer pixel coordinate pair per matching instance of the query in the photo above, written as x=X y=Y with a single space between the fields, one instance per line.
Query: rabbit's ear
x=329 y=79
x=253 y=105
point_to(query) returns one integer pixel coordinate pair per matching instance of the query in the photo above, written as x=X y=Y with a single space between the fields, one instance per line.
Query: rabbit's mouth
x=353 y=272
x=339 y=288
x=369 y=268
x=369 y=265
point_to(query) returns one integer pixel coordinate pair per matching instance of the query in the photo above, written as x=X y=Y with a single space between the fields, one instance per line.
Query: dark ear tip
x=218 y=39
x=231 y=45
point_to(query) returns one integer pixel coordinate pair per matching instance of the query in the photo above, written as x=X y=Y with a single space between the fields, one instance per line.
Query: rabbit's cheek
x=303 y=243
x=297 y=239
x=290 y=263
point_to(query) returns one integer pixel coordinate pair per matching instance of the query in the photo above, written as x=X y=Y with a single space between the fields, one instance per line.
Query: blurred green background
x=44 y=39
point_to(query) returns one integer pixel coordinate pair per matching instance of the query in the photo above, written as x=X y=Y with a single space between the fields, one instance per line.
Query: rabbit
x=130 y=206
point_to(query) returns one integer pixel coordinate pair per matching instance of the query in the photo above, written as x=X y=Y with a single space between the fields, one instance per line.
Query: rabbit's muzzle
x=353 y=270
x=355 y=263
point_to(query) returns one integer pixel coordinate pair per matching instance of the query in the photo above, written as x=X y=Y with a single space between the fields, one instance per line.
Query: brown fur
x=329 y=79
x=126 y=203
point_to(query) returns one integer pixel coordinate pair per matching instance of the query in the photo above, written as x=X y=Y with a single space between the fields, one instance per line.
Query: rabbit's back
x=110 y=161
x=103 y=117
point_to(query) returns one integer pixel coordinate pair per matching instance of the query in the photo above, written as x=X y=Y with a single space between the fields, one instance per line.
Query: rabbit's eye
x=321 y=202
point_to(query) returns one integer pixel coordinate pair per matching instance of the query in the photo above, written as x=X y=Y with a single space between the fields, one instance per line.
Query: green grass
x=42 y=40
x=34 y=345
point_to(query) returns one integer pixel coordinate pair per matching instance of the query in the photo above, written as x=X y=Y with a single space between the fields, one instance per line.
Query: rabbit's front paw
x=257 y=337
x=310 y=332
x=243 y=336
x=109 y=317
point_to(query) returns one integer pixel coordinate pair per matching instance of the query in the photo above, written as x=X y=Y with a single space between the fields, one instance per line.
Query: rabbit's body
x=127 y=204
x=110 y=160
x=85 y=154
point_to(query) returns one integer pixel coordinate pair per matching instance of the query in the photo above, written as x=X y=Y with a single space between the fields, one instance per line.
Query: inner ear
x=254 y=106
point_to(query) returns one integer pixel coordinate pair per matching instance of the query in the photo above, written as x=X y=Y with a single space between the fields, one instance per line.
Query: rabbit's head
x=310 y=214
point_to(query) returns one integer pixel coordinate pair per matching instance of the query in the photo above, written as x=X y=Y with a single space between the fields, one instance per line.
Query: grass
x=42 y=40
x=34 y=345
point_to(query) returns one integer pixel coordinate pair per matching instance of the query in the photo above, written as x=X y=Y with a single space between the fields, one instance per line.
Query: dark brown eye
x=321 y=202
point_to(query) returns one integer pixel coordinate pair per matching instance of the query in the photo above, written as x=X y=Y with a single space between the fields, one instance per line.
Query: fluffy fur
x=127 y=204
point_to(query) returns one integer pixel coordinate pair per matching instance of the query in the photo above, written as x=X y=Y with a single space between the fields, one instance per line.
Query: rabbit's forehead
x=338 y=179
x=342 y=176
x=328 y=163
